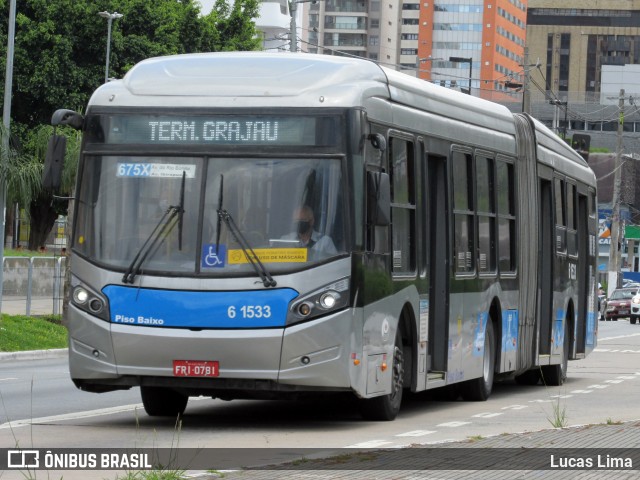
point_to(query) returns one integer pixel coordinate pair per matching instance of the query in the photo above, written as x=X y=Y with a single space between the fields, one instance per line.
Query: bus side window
x=403 y=206
x=572 y=225
x=506 y=217
x=561 y=216
x=463 y=212
x=485 y=191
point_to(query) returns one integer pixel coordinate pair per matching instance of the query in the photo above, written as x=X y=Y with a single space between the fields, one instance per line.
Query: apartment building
x=384 y=31
x=575 y=39
x=450 y=42
x=473 y=42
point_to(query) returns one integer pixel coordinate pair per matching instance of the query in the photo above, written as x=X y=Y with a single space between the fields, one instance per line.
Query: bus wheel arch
x=555 y=375
x=386 y=407
x=479 y=389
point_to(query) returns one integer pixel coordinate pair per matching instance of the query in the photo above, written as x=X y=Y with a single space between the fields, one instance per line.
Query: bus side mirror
x=378 y=199
x=54 y=162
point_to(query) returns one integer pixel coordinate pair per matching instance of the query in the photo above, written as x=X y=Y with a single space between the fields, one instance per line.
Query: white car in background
x=635 y=309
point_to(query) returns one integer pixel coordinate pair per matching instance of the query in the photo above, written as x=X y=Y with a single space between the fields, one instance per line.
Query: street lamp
x=464 y=60
x=420 y=61
x=426 y=59
x=110 y=18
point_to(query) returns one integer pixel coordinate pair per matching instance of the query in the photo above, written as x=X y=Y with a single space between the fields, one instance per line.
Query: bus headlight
x=80 y=296
x=88 y=300
x=327 y=299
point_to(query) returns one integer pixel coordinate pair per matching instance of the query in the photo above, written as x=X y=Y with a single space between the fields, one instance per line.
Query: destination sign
x=260 y=130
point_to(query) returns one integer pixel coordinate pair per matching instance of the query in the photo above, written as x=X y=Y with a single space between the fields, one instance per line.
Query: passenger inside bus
x=319 y=245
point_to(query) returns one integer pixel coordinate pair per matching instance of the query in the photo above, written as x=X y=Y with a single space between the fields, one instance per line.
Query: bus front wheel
x=163 y=402
x=386 y=407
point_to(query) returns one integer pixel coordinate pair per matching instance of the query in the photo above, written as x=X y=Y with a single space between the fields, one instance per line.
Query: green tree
x=59 y=61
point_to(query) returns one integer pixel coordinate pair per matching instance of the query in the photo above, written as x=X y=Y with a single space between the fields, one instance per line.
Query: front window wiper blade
x=224 y=216
x=172 y=217
x=265 y=276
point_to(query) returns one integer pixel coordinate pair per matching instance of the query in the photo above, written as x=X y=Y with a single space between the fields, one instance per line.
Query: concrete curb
x=34 y=354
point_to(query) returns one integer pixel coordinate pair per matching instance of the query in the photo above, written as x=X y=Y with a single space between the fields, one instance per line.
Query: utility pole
x=526 y=98
x=293 y=6
x=6 y=121
x=614 y=251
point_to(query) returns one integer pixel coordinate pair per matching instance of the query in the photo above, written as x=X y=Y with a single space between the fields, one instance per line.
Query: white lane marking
x=627 y=377
x=369 y=444
x=613 y=381
x=487 y=415
x=581 y=391
x=453 y=424
x=416 y=433
x=71 y=416
x=599 y=386
x=7 y=379
x=618 y=337
x=560 y=396
x=540 y=401
x=514 y=407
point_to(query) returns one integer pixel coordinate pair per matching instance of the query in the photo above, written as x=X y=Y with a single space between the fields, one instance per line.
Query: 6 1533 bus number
x=249 y=311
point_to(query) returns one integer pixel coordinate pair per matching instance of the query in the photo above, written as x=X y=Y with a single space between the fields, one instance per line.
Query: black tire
x=163 y=402
x=386 y=407
x=530 y=377
x=479 y=389
x=555 y=375
x=632 y=320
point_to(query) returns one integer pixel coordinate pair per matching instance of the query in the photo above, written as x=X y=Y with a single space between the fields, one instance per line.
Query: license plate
x=623 y=312
x=195 y=368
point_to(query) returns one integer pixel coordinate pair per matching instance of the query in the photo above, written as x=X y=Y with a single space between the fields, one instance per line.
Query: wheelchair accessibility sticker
x=213 y=257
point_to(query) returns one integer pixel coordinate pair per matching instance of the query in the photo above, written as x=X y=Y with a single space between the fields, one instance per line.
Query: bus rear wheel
x=386 y=407
x=479 y=389
x=163 y=402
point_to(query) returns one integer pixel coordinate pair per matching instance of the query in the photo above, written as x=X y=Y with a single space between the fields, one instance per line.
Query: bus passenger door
x=584 y=263
x=438 y=235
x=545 y=278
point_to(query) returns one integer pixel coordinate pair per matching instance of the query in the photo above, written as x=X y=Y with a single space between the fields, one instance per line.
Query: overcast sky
x=207 y=5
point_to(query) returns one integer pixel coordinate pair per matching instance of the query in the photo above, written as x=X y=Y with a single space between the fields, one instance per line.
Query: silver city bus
x=252 y=225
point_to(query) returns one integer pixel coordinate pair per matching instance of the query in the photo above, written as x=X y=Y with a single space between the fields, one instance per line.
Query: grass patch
x=19 y=333
x=23 y=252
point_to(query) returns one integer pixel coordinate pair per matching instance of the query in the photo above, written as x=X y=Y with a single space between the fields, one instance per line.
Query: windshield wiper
x=224 y=216
x=172 y=217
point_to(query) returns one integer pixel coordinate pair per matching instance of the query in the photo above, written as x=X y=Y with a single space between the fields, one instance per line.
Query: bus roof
x=555 y=152
x=261 y=79
x=287 y=79
x=265 y=79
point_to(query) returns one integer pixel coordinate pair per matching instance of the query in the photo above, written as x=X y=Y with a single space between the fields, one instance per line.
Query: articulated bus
x=254 y=225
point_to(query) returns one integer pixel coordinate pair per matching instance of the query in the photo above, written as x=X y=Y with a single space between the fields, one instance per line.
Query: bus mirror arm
x=378 y=141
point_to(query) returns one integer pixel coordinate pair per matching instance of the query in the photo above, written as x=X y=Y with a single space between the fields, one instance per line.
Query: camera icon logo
x=23 y=459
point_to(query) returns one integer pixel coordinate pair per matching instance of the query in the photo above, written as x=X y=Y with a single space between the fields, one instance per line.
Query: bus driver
x=318 y=244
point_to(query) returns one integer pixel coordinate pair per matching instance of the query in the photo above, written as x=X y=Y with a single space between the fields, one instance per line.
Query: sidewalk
x=604 y=451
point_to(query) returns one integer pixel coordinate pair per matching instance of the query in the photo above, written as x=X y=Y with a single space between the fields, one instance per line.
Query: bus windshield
x=285 y=210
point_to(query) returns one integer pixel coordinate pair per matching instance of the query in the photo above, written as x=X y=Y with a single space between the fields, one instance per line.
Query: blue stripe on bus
x=197 y=309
